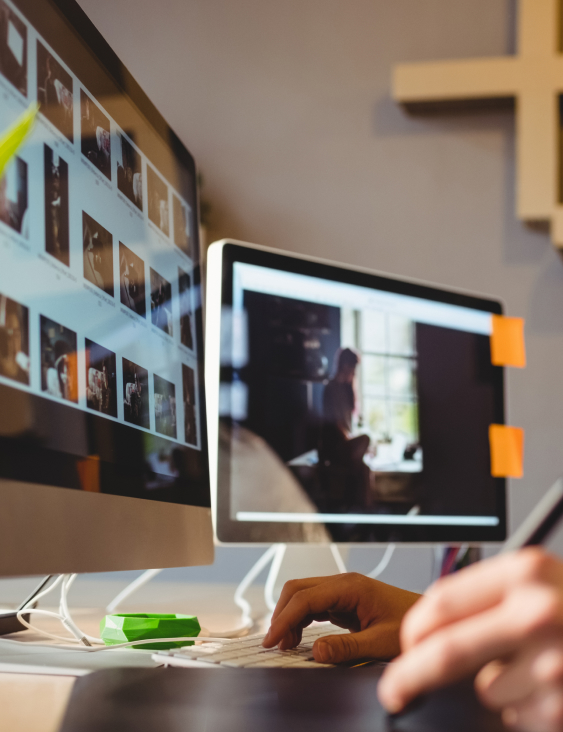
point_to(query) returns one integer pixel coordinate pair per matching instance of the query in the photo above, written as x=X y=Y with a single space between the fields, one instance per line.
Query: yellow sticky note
x=507 y=451
x=507 y=342
x=13 y=138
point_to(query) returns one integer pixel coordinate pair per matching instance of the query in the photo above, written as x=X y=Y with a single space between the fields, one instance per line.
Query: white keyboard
x=248 y=652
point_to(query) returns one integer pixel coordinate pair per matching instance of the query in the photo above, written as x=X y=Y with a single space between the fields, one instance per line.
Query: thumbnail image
x=13 y=48
x=59 y=360
x=101 y=379
x=14 y=197
x=56 y=206
x=185 y=285
x=129 y=173
x=98 y=254
x=159 y=212
x=165 y=406
x=132 y=280
x=182 y=226
x=136 y=394
x=14 y=340
x=54 y=92
x=188 y=383
x=161 y=303
x=96 y=137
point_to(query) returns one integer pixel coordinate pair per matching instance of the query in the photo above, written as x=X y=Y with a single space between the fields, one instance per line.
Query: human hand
x=502 y=618
x=371 y=610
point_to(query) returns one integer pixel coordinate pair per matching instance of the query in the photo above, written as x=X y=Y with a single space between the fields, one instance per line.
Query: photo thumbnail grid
x=77 y=139
x=61 y=359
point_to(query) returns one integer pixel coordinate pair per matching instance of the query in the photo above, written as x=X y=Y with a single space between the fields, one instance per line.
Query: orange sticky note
x=507 y=342
x=89 y=473
x=507 y=451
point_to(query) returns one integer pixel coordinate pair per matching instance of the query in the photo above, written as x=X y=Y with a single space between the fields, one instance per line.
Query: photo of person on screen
x=54 y=92
x=185 y=287
x=136 y=394
x=14 y=197
x=159 y=210
x=59 y=360
x=56 y=207
x=96 y=135
x=98 y=254
x=188 y=384
x=132 y=280
x=161 y=303
x=13 y=48
x=165 y=407
x=182 y=226
x=339 y=447
x=129 y=173
x=14 y=340
x=101 y=379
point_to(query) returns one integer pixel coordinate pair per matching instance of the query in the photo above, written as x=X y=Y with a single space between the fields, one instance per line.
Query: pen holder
x=127 y=627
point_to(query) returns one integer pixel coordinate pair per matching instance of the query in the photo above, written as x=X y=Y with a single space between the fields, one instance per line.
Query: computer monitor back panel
x=103 y=437
x=346 y=405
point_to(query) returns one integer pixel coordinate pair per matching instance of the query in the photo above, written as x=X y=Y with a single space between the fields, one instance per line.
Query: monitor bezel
x=222 y=256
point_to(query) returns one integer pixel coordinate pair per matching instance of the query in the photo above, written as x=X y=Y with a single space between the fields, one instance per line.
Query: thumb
x=381 y=642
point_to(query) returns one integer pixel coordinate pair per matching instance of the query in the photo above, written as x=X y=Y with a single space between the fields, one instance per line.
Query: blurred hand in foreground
x=501 y=619
x=371 y=610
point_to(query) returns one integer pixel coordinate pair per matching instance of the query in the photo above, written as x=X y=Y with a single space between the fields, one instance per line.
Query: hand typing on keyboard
x=371 y=610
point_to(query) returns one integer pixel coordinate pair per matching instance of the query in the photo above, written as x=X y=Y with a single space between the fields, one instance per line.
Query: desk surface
x=254 y=700
x=37 y=702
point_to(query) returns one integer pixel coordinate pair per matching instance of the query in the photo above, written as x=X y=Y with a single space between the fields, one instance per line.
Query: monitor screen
x=101 y=344
x=352 y=406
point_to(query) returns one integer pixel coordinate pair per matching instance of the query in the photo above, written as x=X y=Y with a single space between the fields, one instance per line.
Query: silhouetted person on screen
x=341 y=455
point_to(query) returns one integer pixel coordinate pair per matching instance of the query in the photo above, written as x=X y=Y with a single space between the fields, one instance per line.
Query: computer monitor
x=103 y=443
x=348 y=406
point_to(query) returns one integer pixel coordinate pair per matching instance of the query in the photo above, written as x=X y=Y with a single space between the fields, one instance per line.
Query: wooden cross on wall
x=533 y=79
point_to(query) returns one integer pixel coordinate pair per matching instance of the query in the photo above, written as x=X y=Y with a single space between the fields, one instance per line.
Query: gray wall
x=285 y=105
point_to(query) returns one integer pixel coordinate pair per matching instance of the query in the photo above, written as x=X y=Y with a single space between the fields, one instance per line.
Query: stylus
x=541 y=521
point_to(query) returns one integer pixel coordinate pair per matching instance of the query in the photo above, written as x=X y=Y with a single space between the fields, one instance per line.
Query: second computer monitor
x=350 y=406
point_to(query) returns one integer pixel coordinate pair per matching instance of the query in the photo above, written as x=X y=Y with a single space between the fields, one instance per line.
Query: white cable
x=131 y=588
x=273 y=575
x=243 y=586
x=384 y=562
x=338 y=559
x=76 y=646
x=68 y=621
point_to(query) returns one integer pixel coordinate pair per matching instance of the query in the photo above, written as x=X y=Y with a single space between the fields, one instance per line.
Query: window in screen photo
x=161 y=303
x=136 y=394
x=54 y=92
x=165 y=407
x=130 y=173
x=14 y=340
x=96 y=135
x=13 y=48
x=101 y=379
x=14 y=197
x=56 y=207
x=132 y=280
x=98 y=254
x=59 y=360
x=159 y=210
